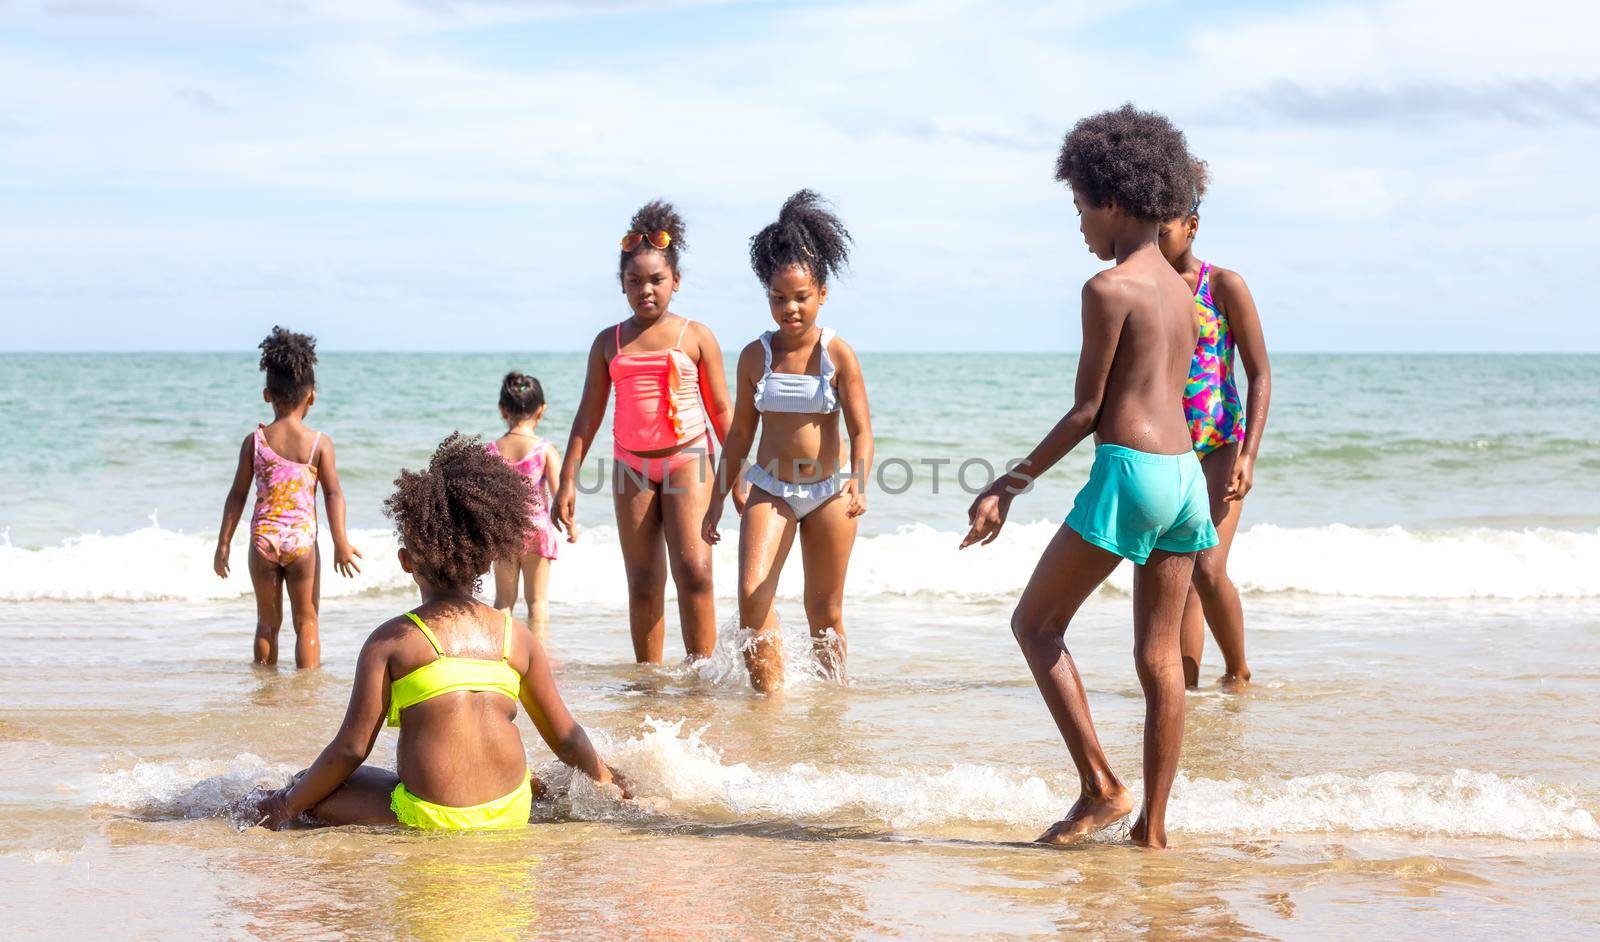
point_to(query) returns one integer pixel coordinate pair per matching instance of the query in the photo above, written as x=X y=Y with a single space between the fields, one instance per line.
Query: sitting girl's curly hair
x=468 y=509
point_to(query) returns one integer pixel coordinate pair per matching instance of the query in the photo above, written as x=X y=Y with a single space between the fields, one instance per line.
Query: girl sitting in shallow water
x=449 y=673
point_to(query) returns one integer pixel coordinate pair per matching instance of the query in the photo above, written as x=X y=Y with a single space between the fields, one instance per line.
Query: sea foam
x=678 y=767
x=679 y=777
x=154 y=563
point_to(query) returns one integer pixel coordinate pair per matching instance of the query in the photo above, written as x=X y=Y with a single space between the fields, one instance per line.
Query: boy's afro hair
x=468 y=509
x=1137 y=159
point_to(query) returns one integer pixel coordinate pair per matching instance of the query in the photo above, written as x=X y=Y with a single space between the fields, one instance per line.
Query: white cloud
x=371 y=145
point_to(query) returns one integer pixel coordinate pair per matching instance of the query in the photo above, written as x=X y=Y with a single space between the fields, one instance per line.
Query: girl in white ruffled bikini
x=795 y=383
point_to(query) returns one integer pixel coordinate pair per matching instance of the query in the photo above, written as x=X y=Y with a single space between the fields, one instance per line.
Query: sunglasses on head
x=660 y=239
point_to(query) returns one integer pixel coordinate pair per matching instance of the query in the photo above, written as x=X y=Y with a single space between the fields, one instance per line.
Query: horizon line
x=1297 y=351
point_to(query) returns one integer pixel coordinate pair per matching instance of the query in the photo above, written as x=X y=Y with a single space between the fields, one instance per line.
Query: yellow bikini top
x=449 y=674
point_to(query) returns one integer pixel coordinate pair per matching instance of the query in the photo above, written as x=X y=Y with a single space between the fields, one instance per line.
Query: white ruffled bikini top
x=797 y=392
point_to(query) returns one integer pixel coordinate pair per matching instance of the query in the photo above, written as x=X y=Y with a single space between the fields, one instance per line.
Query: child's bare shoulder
x=701 y=334
x=391 y=632
x=1105 y=291
x=840 y=351
x=1227 y=280
x=752 y=358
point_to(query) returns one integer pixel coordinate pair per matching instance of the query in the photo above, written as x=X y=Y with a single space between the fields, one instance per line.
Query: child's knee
x=1029 y=623
x=1152 y=662
x=1210 y=574
x=752 y=583
x=645 y=584
x=694 y=578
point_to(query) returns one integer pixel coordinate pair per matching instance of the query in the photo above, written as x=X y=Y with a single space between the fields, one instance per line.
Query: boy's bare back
x=1148 y=309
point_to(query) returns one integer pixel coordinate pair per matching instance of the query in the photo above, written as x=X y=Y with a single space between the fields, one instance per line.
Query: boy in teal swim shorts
x=1146 y=496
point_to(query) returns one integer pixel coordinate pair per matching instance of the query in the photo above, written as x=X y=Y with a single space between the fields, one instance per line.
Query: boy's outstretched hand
x=986 y=515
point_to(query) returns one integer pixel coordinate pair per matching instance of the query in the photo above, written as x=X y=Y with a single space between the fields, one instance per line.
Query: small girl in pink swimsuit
x=287 y=460
x=522 y=406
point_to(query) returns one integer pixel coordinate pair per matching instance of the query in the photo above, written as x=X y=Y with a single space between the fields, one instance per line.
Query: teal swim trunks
x=1136 y=503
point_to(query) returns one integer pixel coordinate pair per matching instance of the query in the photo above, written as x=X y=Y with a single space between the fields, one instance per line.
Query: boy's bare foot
x=1140 y=835
x=1234 y=682
x=1089 y=814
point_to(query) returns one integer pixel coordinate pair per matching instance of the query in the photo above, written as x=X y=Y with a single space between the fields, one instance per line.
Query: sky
x=1396 y=175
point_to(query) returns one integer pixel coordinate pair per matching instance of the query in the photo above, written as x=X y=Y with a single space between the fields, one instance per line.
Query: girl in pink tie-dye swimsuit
x=283 y=526
x=1226 y=435
x=522 y=406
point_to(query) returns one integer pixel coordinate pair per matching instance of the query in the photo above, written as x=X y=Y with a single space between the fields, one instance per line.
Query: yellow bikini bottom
x=507 y=811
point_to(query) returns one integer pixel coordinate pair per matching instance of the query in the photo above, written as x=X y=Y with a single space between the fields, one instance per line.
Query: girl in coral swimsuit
x=671 y=396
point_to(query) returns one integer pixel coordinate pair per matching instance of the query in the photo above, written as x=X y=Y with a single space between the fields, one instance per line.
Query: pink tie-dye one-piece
x=283 y=527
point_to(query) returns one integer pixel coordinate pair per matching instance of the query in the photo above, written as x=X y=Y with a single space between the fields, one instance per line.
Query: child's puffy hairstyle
x=1138 y=159
x=289 y=359
x=468 y=509
x=520 y=395
x=806 y=234
x=654 y=216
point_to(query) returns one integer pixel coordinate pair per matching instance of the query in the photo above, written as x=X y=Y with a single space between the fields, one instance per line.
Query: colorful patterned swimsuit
x=283 y=527
x=543 y=542
x=1211 y=400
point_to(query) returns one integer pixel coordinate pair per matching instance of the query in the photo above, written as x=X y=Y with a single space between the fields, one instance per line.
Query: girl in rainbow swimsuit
x=1226 y=433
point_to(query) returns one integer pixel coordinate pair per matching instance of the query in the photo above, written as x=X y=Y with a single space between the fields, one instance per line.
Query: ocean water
x=1421 y=563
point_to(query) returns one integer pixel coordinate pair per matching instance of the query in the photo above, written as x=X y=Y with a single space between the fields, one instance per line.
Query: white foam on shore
x=194 y=788
x=678 y=776
x=153 y=563
x=679 y=769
